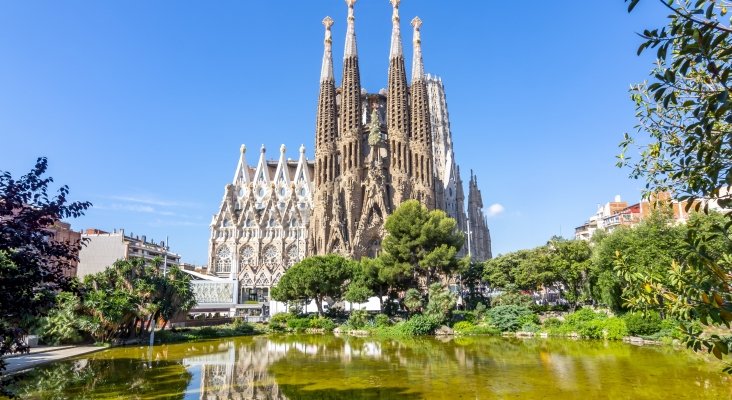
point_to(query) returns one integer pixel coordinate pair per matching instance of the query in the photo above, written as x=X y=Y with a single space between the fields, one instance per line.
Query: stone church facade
x=372 y=152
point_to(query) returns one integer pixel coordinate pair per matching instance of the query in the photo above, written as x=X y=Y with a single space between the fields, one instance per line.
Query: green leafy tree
x=570 y=262
x=32 y=263
x=420 y=243
x=124 y=299
x=525 y=269
x=686 y=112
x=441 y=302
x=413 y=300
x=471 y=277
x=315 y=278
x=62 y=324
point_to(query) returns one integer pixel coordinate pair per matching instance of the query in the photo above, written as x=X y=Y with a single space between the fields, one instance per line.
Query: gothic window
x=226 y=223
x=270 y=257
x=293 y=255
x=246 y=256
x=241 y=192
x=260 y=193
x=223 y=259
x=282 y=191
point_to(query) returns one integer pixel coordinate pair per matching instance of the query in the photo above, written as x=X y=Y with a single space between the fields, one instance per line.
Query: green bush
x=552 y=322
x=207 y=332
x=464 y=327
x=239 y=326
x=420 y=325
x=615 y=328
x=510 y=318
x=480 y=310
x=530 y=327
x=642 y=325
x=358 y=319
x=298 y=324
x=322 y=323
x=382 y=320
x=62 y=325
x=582 y=315
x=278 y=322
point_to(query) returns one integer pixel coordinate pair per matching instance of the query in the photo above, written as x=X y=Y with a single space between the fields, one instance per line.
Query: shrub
x=642 y=325
x=322 y=323
x=62 y=325
x=382 y=320
x=420 y=325
x=615 y=328
x=441 y=302
x=207 y=332
x=239 y=326
x=530 y=327
x=582 y=315
x=513 y=298
x=464 y=327
x=480 y=310
x=298 y=324
x=278 y=322
x=552 y=322
x=358 y=319
x=510 y=318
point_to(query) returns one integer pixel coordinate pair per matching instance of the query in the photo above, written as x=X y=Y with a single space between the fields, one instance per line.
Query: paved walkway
x=44 y=355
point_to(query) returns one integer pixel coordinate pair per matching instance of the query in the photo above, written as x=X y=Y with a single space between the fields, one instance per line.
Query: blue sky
x=141 y=106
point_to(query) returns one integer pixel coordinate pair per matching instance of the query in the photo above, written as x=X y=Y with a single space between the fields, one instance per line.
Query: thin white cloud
x=137 y=208
x=151 y=201
x=495 y=210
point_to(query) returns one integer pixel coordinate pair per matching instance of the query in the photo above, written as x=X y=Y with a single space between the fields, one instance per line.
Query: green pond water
x=330 y=367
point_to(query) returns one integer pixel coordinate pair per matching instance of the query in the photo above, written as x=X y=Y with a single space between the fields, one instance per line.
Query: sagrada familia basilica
x=372 y=152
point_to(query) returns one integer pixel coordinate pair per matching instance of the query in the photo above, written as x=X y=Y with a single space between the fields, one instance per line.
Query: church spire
x=422 y=161
x=350 y=107
x=350 y=50
x=326 y=72
x=327 y=123
x=397 y=110
x=417 y=66
x=396 y=36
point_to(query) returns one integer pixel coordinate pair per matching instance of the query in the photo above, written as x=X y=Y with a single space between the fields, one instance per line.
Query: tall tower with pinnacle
x=421 y=140
x=326 y=136
x=397 y=113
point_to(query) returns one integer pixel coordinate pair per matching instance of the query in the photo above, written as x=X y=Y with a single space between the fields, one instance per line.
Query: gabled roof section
x=241 y=176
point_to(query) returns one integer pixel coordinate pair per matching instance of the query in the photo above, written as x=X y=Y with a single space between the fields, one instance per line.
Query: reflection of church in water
x=372 y=151
x=250 y=370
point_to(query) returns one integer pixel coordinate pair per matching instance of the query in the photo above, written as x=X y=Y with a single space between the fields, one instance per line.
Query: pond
x=329 y=367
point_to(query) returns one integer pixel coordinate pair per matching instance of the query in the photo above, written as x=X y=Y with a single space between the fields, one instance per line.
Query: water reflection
x=329 y=367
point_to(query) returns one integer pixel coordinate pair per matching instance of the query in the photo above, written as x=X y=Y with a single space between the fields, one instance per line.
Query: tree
x=686 y=111
x=315 y=278
x=524 y=269
x=32 y=263
x=413 y=300
x=570 y=262
x=441 y=303
x=420 y=243
x=471 y=277
x=125 y=298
